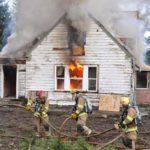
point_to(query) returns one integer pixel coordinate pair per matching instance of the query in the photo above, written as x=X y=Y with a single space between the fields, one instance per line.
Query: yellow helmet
x=72 y=91
x=124 y=100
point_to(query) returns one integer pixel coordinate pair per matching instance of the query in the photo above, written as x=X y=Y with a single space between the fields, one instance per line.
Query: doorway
x=10 y=74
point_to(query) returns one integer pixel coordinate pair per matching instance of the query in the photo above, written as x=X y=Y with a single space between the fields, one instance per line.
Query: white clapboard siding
x=114 y=66
x=21 y=79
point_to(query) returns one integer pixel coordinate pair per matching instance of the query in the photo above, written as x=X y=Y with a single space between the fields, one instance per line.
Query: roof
x=116 y=40
x=126 y=49
x=39 y=38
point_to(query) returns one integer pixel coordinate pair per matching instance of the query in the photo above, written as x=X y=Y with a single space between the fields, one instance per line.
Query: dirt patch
x=18 y=122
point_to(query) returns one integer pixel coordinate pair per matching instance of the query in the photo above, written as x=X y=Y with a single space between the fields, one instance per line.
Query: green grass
x=56 y=144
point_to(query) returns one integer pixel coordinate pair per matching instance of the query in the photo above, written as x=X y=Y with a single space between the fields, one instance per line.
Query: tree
x=4 y=22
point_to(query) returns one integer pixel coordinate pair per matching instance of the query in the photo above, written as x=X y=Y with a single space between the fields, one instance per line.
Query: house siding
x=143 y=96
x=21 y=79
x=114 y=66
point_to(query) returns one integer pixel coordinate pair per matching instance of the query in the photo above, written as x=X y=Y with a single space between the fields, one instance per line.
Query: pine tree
x=4 y=21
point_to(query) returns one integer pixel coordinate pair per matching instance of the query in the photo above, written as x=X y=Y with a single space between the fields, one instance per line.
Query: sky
x=33 y=17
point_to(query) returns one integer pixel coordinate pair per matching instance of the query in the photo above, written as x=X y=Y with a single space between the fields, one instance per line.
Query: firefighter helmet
x=73 y=91
x=41 y=94
x=124 y=100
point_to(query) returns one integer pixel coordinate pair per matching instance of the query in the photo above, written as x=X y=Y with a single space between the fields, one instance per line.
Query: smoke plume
x=32 y=18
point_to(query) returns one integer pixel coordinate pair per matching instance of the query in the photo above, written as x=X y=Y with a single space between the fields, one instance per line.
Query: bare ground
x=18 y=122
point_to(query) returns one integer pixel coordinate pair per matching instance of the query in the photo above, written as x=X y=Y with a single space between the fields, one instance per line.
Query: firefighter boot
x=87 y=131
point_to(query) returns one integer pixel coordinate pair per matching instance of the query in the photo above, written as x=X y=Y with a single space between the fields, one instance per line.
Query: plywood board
x=109 y=103
x=78 y=51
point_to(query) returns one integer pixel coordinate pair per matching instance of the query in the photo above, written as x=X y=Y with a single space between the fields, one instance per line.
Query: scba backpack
x=88 y=107
x=138 y=119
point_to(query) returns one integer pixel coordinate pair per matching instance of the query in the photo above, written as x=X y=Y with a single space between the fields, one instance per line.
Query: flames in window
x=75 y=70
x=76 y=75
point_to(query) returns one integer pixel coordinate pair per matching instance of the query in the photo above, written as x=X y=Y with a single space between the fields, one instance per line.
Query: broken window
x=60 y=75
x=76 y=76
x=141 y=79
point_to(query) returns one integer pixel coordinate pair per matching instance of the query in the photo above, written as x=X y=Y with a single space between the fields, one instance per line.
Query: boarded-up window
x=109 y=103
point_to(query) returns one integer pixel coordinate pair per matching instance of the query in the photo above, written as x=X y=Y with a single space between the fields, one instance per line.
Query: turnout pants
x=81 y=124
x=39 y=123
x=129 y=139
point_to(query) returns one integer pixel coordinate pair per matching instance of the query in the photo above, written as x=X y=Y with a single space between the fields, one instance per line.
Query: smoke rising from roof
x=32 y=18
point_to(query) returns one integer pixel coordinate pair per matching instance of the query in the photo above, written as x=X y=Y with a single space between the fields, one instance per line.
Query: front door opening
x=10 y=80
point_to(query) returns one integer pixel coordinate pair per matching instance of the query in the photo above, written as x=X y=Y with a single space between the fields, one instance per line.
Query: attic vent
x=76 y=41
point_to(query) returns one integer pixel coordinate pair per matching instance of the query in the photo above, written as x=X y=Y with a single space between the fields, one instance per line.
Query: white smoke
x=77 y=12
x=37 y=16
x=32 y=18
x=120 y=18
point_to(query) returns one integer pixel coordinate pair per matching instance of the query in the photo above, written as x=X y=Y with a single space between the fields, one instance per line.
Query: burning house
x=94 y=62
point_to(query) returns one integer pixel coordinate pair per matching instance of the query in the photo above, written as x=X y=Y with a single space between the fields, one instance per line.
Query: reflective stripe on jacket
x=42 y=107
x=129 y=119
x=131 y=129
x=80 y=104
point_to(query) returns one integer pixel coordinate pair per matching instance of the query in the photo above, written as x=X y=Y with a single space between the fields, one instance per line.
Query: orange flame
x=75 y=70
x=76 y=75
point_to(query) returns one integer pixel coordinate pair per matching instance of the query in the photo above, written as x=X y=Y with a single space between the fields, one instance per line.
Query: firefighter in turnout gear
x=41 y=107
x=79 y=113
x=127 y=124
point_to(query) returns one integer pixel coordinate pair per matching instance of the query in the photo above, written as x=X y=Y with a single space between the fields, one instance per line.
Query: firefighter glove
x=44 y=114
x=36 y=114
x=116 y=125
x=74 y=116
x=122 y=126
x=28 y=108
x=119 y=126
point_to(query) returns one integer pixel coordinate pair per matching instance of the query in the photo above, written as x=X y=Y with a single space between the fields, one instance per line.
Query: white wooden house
x=106 y=64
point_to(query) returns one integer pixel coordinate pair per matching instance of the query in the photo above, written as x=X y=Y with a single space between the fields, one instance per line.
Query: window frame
x=85 y=79
x=147 y=72
x=93 y=78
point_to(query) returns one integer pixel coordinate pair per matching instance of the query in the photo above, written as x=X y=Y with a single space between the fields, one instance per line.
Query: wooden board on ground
x=110 y=103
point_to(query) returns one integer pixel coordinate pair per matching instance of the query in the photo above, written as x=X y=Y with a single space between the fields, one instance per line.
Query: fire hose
x=93 y=135
x=64 y=123
x=59 y=131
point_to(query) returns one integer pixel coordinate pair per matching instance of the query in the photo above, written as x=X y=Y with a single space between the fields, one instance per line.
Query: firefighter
x=127 y=124
x=41 y=107
x=79 y=113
